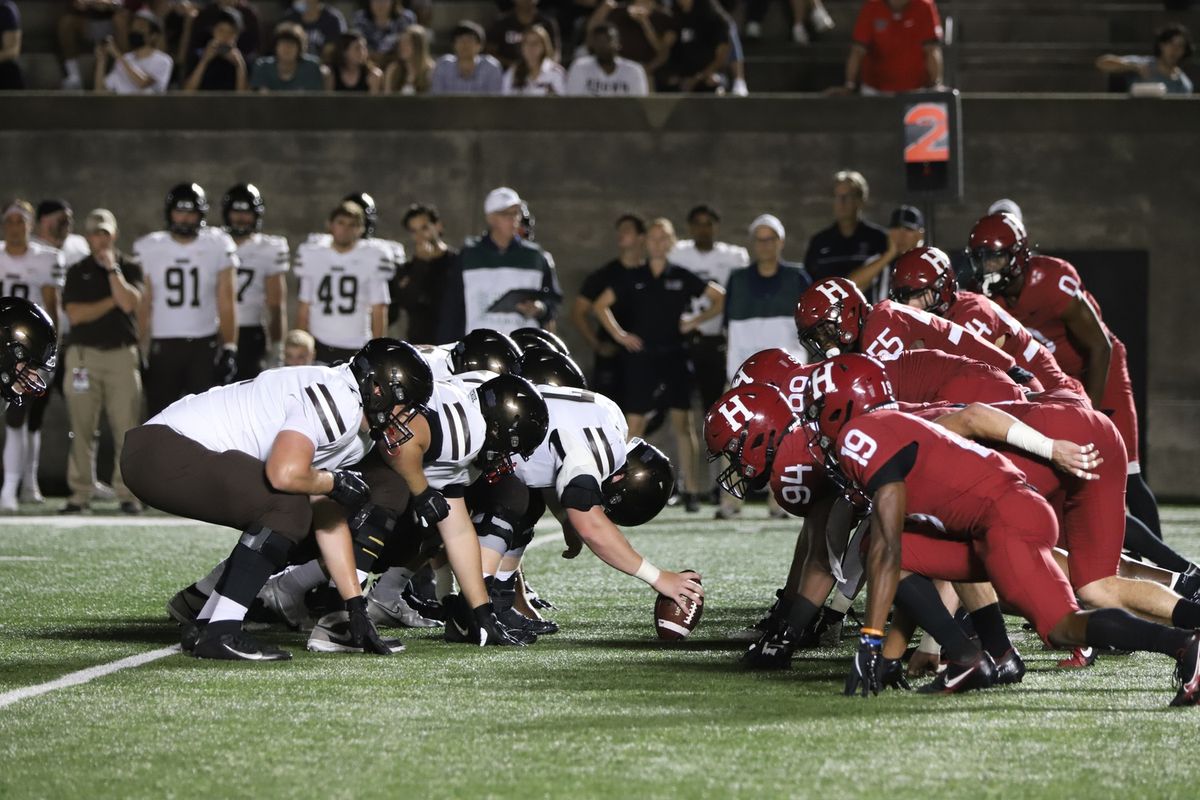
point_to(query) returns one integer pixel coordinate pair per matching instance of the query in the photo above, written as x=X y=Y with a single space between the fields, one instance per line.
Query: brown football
x=670 y=622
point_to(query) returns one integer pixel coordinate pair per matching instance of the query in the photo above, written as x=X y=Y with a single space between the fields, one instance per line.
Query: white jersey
x=587 y=437
x=74 y=249
x=259 y=257
x=438 y=358
x=322 y=403
x=714 y=265
x=587 y=78
x=25 y=275
x=456 y=429
x=183 y=281
x=342 y=288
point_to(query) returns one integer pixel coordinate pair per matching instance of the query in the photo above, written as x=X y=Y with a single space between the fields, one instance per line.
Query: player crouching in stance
x=28 y=348
x=251 y=455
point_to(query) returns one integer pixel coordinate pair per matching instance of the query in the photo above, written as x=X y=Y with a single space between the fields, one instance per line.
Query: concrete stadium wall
x=1091 y=173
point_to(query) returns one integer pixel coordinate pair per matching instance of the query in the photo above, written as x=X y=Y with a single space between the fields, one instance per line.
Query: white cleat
x=287 y=607
x=397 y=613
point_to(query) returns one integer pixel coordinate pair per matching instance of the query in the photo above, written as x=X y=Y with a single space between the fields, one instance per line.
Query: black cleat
x=186 y=604
x=1187 y=673
x=429 y=609
x=956 y=678
x=190 y=634
x=238 y=646
x=511 y=618
x=1010 y=668
x=772 y=651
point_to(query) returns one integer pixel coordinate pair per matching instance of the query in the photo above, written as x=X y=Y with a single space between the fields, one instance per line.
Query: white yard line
x=24 y=558
x=92 y=673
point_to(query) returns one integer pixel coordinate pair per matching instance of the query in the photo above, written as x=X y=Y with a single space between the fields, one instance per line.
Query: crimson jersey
x=797 y=479
x=932 y=376
x=891 y=328
x=951 y=483
x=983 y=317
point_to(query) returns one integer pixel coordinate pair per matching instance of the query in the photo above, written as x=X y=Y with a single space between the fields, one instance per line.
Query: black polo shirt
x=595 y=284
x=651 y=307
x=831 y=255
x=87 y=282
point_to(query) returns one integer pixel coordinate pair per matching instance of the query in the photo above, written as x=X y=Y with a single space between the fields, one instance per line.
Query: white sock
x=298 y=580
x=14 y=460
x=227 y=610
x=210 y=605
x=208 y=583
x=362 y=576
x=840 y=602
x=443 y=582
x=33 y=453
x=503 y=574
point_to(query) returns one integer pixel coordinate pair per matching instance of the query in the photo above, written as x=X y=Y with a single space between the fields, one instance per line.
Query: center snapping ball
x=670 y=622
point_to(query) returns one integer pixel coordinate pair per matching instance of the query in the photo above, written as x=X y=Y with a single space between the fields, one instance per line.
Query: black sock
x=1142 y=504
x=916 y=595
x=1186 y=615
x=989 y=624
x=802 y=614
x=1112 y=627
x=1141 y=542
x=246 y=572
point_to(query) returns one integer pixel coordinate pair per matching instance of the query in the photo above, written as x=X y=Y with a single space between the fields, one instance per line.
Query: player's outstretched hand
x=362 y=629
x=864 y=672
x=891 y=675
x=680 y=586
x=1078 y=460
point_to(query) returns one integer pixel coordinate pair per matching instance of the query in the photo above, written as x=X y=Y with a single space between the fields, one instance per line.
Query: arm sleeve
x=894 y=469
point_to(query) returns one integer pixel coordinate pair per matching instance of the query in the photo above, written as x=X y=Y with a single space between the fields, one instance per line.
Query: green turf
x=602 y=709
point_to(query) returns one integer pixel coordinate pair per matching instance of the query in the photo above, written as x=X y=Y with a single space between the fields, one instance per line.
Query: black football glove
x=864 y=674
x=362 y=629
x=430 y=508
x=225 y=368
x=489 y=631
x=349 y=488
x=891 y=675
x=1020 y=375
x=772 y=651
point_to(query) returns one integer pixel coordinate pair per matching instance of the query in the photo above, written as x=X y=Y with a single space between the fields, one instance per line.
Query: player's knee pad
x=521 y=539
x=273 y=546
x=494 y=532
x=371 y=528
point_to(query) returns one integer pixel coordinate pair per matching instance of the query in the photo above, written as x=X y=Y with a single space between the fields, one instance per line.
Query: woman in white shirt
x=143 y=70
x=536 y=74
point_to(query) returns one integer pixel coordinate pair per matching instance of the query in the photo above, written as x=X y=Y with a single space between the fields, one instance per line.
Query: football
x=670 y=622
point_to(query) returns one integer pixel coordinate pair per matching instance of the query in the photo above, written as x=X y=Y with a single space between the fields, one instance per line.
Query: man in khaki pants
x=101 y=295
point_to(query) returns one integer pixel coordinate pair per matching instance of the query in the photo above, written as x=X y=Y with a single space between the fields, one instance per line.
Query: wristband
x=873 y=641
x=1023 y=437
x=647 y=573
x=878 y=634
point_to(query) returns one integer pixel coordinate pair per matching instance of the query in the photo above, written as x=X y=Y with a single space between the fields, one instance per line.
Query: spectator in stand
x=507 y=33
x=198 y=28
x=467 y=70
x=1172 y=46
x=101 y=298
x=631 y=253
x=604 y=73
x=87 y=22
x=352 y=68
x=145 y=69
x=299 y=349
x=851 y=247
x=701 y=51
x=411 y=72
x=11 y=78
x=321 y=22
x=222 y=67
x=420 y=283
x=644 y=29
x=536 y=73
x=655 y=372
x=811 y=10
x=897 y=47
x=291 y=69
x=382 y=22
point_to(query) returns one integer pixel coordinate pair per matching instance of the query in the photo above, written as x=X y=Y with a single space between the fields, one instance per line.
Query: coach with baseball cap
x=503 y=281
x=100 y=297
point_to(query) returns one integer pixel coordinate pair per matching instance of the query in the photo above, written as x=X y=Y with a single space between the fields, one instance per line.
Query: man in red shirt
x=897 y=47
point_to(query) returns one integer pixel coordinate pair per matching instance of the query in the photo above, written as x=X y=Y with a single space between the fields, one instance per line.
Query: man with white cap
x=760 y=301
x=503 y=281
x=101 y=297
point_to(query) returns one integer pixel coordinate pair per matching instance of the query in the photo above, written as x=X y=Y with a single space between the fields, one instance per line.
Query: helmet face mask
x=999 y=270
x=829 y=317
x=999 y=252
x=243 y=198
x=391 y=375
x=746 y=426
x=188 y=197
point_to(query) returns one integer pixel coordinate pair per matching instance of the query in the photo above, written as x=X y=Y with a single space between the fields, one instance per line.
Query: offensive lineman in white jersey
x=261 y=280
x=250 y=455
x=34 y=272
x=343 y=285
x=188 y=313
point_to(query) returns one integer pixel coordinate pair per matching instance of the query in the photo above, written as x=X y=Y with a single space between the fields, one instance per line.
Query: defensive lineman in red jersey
x=1046 y=294
x=912 y=468
x=923 y=278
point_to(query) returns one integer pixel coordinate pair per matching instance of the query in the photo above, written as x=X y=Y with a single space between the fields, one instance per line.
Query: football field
x=600 y=709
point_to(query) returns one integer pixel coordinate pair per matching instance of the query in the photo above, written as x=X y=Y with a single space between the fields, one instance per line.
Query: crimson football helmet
x=999 y=250
x=841 y=389
x=922 y=269
x=746 y=425
x=830 y=317
x=779 y=368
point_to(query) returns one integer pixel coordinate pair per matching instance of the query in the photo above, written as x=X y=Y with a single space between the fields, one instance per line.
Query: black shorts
x=655 y=382
x=332 y=355
x=179 y=367
x=707 y=354
x=252 y=350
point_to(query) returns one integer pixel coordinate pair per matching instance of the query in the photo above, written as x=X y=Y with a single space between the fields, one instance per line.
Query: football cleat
x=535 y=600
x=331 y=634
x=956 y=678
x=891 y=675
x=236 y=646
x=429 y=608
x=504 y=594
x=397 y=613
x=462 y=629
x=289 y=608
x=1010 y=668
x=1080 y=657
x=1187 y=673
x=190 y=635
x=772 y=651
x=829 y=629
x=185 y=606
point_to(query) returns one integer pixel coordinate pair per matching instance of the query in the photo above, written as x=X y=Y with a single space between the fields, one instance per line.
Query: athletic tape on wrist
x=1026 y=438
x=647 y=573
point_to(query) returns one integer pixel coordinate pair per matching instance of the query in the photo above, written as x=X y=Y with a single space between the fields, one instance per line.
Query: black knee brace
x=371 y=528
x=494 y=532
x=275 y=547
x=522 y=539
